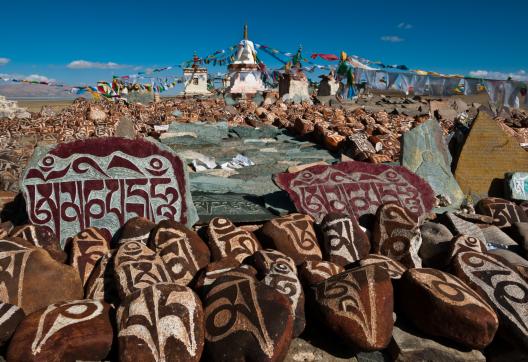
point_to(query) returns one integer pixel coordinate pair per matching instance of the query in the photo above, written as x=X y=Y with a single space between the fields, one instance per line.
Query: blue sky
x=41 y=38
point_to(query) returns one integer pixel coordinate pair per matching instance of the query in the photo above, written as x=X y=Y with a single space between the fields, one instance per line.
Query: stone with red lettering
x=135 y=229
x=504 y=212
x=394 y=268
x=137 y=267
x=181 y=249
x=32 y=279
x=463 y=243
x=397 y=235
x=162 y=322
x=246 y=320
x=355 y=188
x=86 y=248
x=67 y=331
x=293 y=235
x=225 y=239
x=357 y=305
x=207 y=276
x=103 y=182
x=42 y=237
x=442 y=305
x=314 y=272
x=344 y=242
x=10 y=317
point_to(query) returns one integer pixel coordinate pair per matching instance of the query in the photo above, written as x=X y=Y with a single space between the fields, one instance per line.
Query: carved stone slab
x=103 y=182
x=355 y=188
x=516 y=184
x=503 y=212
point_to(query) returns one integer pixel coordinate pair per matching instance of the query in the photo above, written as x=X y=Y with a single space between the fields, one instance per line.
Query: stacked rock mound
x=227 y=292
x=11 y=110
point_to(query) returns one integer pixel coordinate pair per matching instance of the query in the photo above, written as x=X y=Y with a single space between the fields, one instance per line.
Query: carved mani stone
x=280 y=273
x=293 y=235
x=494 y=279
x=101 y=283
x=463 y=243
x=225 y=239
x=394 y=268
x=504 y=212
x=31 y=279
x=397 y=235
x=162 y=322
x=10 y=318
x=315 y=272
x=42 y=237
x=355 y=188
x=137 y=267
x=135 y=229
x=246 y=320
x=357 y=305
x=68 y=331
x=344 y=240
x=430 y=297
x=103 y=182
x=86 y=248
x=181 y=249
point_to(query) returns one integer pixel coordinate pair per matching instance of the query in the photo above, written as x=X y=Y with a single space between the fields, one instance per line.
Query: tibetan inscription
x=103 y=182
x=355 y=188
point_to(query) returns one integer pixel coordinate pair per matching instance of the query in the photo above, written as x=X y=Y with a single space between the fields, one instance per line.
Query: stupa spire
x=245 y=31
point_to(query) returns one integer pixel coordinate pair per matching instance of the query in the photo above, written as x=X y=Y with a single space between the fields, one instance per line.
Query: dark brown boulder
x=394 y=268
x=225 y=239
x=10 y=318
x=42 y=237
x=86 y=248
x=504 y=212
x=315 y=272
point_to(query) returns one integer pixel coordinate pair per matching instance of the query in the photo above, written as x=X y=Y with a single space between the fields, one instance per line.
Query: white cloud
x=39 y=78
x=392 y=38
x=4 y=61
x=403 y=25
x=519 y=75
x=85 y=64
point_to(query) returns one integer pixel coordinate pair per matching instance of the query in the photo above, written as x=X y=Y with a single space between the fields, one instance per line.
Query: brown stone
x=86 y=248
x=357 y=305
x=463 y=243
x=136 y=229
x=442 y=305
x=394 y=268
x=137 y=267
x=225 y=239
x=10 y=318
x=293 y=235
x=494 y=279
x=246 y=320
x=344 y=242
x=162 y=322
x=314 y=272
x=32 y=279
x=101 y=283
x=182 y=250
x=41 y=237
x=397 y=235
x=474 y=173
x=503 y=212
x=67 y=331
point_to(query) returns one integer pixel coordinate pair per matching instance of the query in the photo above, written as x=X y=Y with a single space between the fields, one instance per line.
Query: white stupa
x=244 y=73
x=195 y=79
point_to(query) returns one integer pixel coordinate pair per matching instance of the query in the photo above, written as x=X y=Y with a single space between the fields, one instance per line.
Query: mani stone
x=246 y=320
x=425 y=153
x=397 y=235
x=355 y=188
x=516 y=185
x=394 y=268
x=68 y=331
x=103 y=182
x=504 y=212
x=86 y=248
x=101 y=283
x=344 y=242
x=430 y=297
x=225 y=239
x=163 y=322
x=357 y=305
x=32 y=279
x=137 y=267
x=436 y=239
x=136 y=229
x=10 y=317
x=358 y=147
x=314 y=272
x=407 y=345
x=488 y=153
x=279 y=272
x=504 y=289
x=181 y=249
x=520 y=263
x=42 y=237
x=293 y=235
x=462 y=243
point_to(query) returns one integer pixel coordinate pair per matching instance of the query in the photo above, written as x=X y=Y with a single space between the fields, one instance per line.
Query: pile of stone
x=10 y=109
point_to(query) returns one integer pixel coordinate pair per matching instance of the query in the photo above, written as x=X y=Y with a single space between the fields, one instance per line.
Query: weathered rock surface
x=225 y=239
x=394 y=268
x=41 y=237
x=10 y=318
x=315 y=272
x=436 y=240
x=504 y=212
x=86 y=248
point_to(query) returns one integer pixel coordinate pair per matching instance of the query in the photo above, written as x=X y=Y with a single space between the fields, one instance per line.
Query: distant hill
x=26 y=90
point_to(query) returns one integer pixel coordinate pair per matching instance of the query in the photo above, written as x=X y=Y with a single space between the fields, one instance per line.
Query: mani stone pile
x=376 y=260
